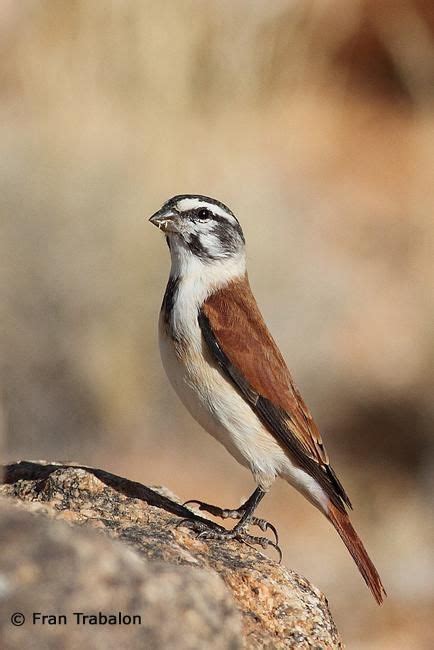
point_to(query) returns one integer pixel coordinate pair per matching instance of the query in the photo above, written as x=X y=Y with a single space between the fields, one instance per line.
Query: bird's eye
x=203 y=214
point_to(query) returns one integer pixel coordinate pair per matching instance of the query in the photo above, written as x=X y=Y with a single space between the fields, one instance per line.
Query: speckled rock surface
x=47 y=568
x=279 y=609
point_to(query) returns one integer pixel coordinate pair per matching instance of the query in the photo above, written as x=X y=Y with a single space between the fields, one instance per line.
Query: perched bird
x=228 y=371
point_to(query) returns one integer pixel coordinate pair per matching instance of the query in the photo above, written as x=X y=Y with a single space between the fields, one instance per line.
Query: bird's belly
x=217 y=406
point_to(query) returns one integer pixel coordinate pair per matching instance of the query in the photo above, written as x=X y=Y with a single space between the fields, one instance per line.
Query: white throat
x=198 y=279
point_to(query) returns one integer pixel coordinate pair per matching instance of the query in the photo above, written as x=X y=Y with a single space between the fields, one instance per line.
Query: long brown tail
x=352 y=541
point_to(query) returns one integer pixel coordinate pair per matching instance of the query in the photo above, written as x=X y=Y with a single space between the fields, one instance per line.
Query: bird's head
x=200 y=230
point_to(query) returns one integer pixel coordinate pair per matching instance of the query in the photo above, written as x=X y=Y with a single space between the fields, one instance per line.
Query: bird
x=229 y=373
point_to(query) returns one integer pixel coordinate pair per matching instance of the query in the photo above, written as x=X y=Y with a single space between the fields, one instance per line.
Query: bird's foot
x=225 y=513
x=239 y=533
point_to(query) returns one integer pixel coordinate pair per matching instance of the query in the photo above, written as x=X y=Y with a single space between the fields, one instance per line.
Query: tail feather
x=352 y=541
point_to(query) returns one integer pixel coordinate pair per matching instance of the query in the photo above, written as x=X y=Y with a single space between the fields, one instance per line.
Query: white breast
x=210 y=398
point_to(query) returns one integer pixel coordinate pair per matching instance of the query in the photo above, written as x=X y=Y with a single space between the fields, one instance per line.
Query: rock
x=47 y=569
x=190 y=593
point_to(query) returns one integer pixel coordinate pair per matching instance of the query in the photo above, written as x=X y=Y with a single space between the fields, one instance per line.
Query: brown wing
x=240 y=329
x=239 y=340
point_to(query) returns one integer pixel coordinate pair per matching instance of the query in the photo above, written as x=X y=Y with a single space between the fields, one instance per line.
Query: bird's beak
x=165 y=219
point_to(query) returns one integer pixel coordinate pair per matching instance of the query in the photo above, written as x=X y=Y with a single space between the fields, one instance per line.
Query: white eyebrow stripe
x=192 y=203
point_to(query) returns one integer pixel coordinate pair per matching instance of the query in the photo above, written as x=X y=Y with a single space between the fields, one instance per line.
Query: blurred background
x=314 y=121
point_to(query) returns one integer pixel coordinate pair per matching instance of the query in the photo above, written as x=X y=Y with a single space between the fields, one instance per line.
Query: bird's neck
x=197 y=279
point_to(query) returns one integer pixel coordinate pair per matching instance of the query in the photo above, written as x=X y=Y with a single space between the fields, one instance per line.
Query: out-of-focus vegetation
x=314 y=122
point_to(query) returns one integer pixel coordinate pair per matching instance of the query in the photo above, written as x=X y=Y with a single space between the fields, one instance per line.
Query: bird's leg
x=239 y=531
x=237 y=513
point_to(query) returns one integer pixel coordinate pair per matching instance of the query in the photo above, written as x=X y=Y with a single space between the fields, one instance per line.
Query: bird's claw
x=252 y=540
x=265 y=525
x=206 y=507
x=204 y=532
x=226 y=513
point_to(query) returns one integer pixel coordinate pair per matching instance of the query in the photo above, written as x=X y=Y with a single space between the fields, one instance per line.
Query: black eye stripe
x=225 y=223
x=205 y=214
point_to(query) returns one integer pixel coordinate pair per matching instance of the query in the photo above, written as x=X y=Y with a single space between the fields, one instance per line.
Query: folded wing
x=239 y=341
